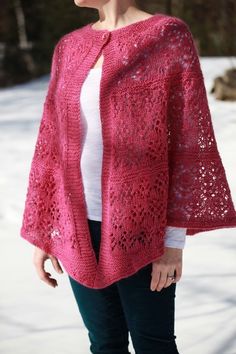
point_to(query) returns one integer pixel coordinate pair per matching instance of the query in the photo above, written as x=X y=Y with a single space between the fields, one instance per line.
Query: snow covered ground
x=36 y=318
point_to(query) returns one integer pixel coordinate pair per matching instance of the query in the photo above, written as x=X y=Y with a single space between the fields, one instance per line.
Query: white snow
x=36 y=318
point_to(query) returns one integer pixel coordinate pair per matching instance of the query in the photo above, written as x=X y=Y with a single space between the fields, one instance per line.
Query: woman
x=143 y=128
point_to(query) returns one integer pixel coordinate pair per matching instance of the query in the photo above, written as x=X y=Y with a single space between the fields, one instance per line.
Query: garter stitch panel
x=161 y=164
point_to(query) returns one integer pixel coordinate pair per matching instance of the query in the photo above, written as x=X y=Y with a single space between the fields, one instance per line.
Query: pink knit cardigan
x=161 y=165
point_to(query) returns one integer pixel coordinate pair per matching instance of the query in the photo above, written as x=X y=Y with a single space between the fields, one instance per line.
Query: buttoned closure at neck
x=122 y=31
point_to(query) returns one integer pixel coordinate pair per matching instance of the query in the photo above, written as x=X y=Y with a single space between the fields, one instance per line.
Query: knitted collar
x=137 y=26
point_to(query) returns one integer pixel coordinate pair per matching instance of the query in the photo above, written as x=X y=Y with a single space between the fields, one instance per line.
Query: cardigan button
x=105 y=36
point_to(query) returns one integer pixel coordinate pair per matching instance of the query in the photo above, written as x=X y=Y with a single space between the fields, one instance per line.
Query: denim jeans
x=127 y=306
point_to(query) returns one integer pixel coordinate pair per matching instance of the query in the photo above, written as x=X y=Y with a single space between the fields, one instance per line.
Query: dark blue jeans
x=127 y=306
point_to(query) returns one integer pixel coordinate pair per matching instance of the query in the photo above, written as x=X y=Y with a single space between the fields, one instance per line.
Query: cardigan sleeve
x=43 y=168
x=199 y=196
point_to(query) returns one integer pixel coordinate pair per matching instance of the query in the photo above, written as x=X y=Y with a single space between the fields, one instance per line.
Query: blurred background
x=37 y=318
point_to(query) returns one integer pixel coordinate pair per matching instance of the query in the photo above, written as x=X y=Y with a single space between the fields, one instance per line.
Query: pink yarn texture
x=161 y=165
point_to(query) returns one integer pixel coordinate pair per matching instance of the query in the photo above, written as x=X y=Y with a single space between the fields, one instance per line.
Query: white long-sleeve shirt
x=92 y=151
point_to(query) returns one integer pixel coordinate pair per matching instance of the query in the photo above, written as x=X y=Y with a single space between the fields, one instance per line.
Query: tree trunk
x=24 y=44
x=169 y=7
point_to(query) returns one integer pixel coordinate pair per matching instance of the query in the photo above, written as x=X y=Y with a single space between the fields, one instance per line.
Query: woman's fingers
x=39 y=260
x=43 y=275
x=56 y=264
x=178 y=272
x=170 y=263
x=169 y=280
x=162 y=281
x=155 y=277
x=160 y=277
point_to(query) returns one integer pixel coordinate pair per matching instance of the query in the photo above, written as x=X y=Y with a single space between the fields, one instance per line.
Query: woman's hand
x=169 y=263
x=39 y=259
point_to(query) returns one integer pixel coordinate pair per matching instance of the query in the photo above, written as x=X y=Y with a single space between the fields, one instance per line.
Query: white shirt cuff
x=175 y=237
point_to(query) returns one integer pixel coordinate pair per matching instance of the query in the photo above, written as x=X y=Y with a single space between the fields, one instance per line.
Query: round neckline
x=134 y=25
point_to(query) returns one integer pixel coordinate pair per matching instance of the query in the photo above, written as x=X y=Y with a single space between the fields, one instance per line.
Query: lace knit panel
x=139 y=181
x=46 y=216
x=198 y=193
x=139 y=139
x=47 y=220
x=140 y=203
